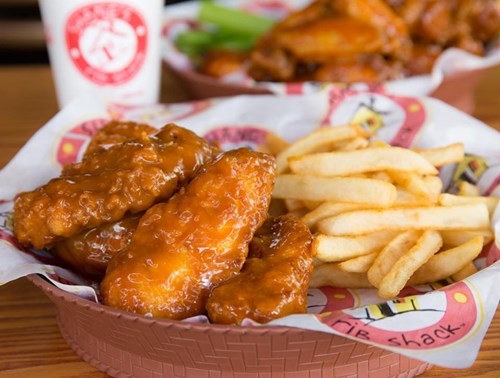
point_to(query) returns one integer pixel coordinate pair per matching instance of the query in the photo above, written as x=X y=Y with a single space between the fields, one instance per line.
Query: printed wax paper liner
x=442 y=325
x=181 y=17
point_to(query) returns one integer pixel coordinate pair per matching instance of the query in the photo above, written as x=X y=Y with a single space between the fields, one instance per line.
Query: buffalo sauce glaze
x=126 y=177
x=90 y=251
x=274 y=280
x=198 y=239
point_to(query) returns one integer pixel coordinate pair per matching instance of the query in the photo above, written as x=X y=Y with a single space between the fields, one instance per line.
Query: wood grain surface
x=30 y=342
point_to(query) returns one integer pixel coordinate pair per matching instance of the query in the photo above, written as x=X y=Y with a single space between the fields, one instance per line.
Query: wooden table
x=30 y=342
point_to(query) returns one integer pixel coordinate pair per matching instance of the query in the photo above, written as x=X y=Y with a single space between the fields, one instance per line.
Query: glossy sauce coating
x=90 y=251
x=316 y=36
x=326 y=34
x=274 y=280
x=116 y=132
x=198 y=239
x=126 y=177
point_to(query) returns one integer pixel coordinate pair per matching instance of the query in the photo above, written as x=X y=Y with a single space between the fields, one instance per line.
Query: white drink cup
x=109 y=49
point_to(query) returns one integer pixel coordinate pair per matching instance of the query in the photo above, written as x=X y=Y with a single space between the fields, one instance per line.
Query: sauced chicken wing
x=315 y=42
x=435 y=25
x=328 y=30
x=127 y=177
x=90 y=251
x=274 y=280
x=221 y=63
x=198 y=239
x=330 y=38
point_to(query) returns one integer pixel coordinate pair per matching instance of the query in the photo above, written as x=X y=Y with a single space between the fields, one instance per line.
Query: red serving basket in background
x=457 y=90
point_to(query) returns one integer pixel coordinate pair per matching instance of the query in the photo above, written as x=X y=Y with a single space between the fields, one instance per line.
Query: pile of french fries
x=378 y=213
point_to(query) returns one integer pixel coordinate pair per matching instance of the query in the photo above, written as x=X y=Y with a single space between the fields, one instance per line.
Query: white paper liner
x=436 y=327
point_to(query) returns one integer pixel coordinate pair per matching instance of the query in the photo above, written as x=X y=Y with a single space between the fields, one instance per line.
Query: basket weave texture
x=126 y=345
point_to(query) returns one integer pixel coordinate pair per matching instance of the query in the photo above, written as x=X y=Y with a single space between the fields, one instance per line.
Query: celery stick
x=232 y=20
x=229 y=41
x=194 y=42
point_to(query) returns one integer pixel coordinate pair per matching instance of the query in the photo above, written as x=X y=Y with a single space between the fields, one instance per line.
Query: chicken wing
x=90 y=251
x=328 y=30
x=274 y=280
x=198 y=239
x=222 y=63
x=127 y=177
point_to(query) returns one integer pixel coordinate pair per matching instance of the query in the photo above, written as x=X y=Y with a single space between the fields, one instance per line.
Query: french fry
x=447 y=263
x=378 y=211
x=321 y=138
x=359 y=161
x=338 y=248
x=376 y=143
x=466 y=271
x=453 y=238
x=413 y=183
x=328 y=209
x=359 y=264
x=466 y=217
x=299 y=213
x=434 y=186
x=341 y=189
x=381 y=175
x=390 y=254
x=329 y=274
x=405 y=198
x=275 y=144
x=446 y=199
x=354 y=144
x=311 y=205
x=452 y=153
x=427 y=245
x=467 y=189
x=294 y=204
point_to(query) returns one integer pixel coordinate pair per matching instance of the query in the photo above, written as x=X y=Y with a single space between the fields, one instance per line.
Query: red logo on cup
x=106 y=42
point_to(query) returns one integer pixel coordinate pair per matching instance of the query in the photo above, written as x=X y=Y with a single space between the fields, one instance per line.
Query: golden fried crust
x=199 y=238
x=274 y=280
x=127 y=177
x=116 y=132
x=90 y=251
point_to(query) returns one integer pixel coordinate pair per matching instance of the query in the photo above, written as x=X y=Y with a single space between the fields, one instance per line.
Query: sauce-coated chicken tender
x=274 y=280
x=90 y=251
x=198 y=239
x=126 y=177
x=116 y=132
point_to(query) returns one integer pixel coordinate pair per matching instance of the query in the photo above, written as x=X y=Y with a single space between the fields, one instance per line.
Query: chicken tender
x=185 y=247
x=90 y=251
x=128 y=177
x=117 y=132
x=274 y=280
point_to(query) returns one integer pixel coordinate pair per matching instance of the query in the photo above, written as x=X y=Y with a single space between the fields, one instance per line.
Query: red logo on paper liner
x=329 y=299
x=72 y=145
x=396 y=119
x=416 y=322
x=107 y=42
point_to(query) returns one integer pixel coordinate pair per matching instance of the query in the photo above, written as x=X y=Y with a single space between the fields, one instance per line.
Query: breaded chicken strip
x=198 y=239
x=274 y=280
x=116 y=132
x=90 y=251
x=127 y=177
